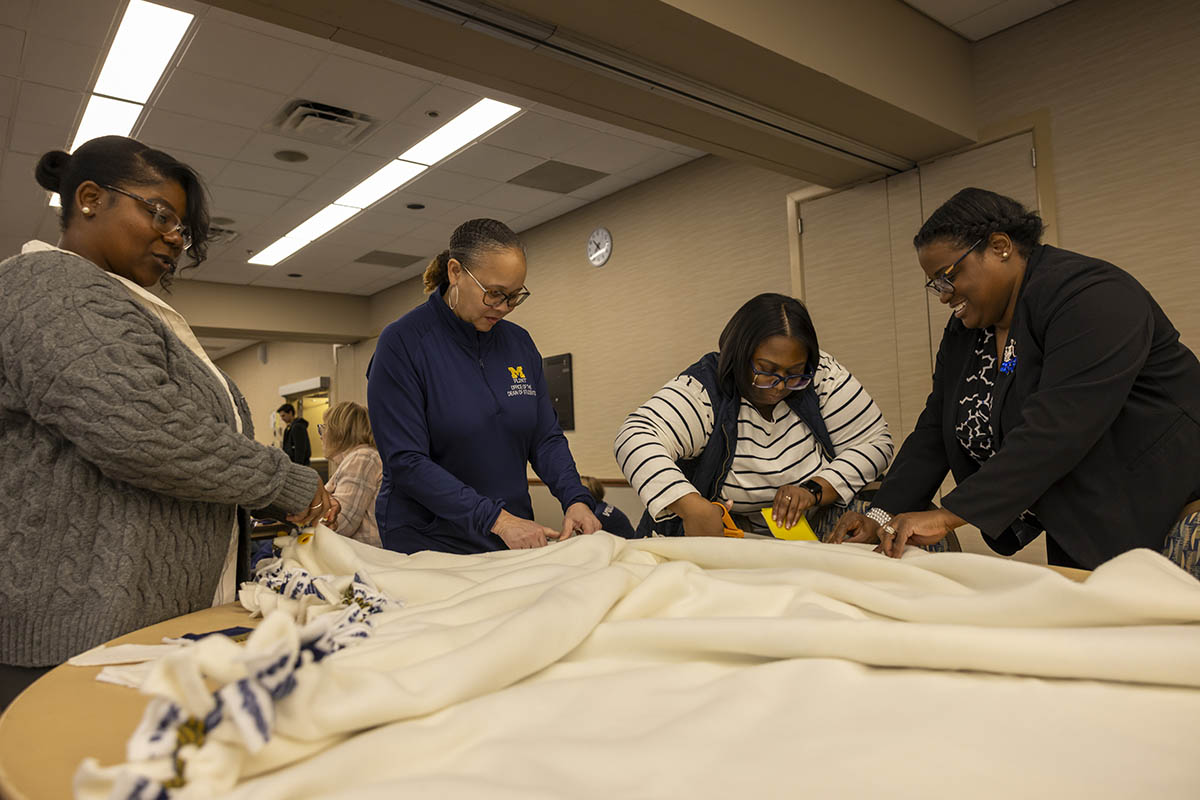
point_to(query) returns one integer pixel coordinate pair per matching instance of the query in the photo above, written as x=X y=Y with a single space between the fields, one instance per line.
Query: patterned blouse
x=974 y=421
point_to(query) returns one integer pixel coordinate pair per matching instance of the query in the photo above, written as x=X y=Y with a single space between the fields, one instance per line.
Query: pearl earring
x=1005 y=255
x=86 y=210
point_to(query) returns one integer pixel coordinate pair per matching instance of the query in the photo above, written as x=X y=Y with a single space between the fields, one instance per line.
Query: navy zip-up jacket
x=457 y=414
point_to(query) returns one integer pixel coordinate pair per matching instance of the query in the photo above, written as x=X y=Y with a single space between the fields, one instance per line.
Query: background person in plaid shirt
x=357 y=470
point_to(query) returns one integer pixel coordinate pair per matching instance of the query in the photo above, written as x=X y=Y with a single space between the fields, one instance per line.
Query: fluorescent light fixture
x=105 y=117
x=472 y=124
x=385 y=181
x=321 y=223
x=468 y=126
x=277 y=251
x=142 y=49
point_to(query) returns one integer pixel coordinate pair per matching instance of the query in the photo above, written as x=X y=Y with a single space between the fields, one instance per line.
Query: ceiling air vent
x=219 y=236
x=321 y=123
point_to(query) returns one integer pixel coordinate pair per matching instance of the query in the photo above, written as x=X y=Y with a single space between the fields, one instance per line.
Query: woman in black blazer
x=1062 y=400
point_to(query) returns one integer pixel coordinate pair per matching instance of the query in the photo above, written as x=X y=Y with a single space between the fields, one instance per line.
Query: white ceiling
x=978 y=19
x=213 y=110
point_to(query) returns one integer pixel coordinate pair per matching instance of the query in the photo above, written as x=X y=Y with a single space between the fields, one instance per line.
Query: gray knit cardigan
x=120 y=465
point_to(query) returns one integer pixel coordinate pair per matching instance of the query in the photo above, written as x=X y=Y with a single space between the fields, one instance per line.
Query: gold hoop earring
x=454 y=302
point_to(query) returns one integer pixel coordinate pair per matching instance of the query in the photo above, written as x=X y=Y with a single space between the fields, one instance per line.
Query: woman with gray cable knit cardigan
x=124 y=452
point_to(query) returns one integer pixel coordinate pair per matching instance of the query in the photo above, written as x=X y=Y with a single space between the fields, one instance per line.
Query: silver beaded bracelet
x=879 y=515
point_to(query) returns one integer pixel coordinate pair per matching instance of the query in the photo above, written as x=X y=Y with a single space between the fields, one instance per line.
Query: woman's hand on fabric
x=578 y=519
x=859 y=527
x=700 y=517
x=917 y=527
x=790 y=504
x=521 y=534
x=331 y=519
x=320 y=507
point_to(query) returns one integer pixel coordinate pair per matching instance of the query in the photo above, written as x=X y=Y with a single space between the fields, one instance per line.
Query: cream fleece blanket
x=600 y=667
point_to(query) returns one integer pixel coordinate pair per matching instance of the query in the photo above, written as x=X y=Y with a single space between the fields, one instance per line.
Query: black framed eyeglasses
x=942 y=283
x=769 y=380
x=164 y=220
x=492 y=298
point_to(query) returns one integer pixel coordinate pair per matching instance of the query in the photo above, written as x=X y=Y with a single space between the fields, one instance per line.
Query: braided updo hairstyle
x=120 y=161
x=469 y=241
x=976 y=214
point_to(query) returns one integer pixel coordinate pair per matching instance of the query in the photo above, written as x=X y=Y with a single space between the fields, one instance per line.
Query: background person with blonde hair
x=357 y=470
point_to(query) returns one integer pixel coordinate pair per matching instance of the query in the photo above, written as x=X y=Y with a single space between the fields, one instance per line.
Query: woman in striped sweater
x=769 y=421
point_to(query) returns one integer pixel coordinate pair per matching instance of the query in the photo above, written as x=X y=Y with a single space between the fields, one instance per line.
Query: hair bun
x=50 y=169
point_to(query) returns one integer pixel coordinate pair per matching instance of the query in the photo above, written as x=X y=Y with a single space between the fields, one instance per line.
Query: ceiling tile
x=446 y=185
x=606 y=186
x=237 y=54
x=8 y=96
x=657 y=164
x=547 y=213
x=397 y=204
x=22 y=201
x=486 y=161
x=438 y=230
x=83 y=23
x=36 y=138
x=366 y=89
x=516 y=198
x=949 y=12
x=56 y=62
x=171 y=131
x=262 y=147
x=230 y=202
x=446 y=102
x=558 y=176
x=15 y=13
x=223 y=271
x=288 y=216
x=408 y=243
x=355 y=241
x=377 y=60
x=38 y=103
x=207 y=167
x=240 y=175
x=539 y=135
x=391 y=140
x=372 y=222
x=608 y=153
x=342 y=177
x=11 y=45
x=222 y=16
x=483 y=91
x=218 y=99
x=469 y=211
x=1000 y=17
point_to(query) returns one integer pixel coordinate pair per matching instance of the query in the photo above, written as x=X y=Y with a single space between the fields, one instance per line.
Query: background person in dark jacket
x=295 y=435
x=612 y=518
x=1062 y=399
x=459 y=408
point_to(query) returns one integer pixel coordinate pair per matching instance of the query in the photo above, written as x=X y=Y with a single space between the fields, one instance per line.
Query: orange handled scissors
x=731 y=530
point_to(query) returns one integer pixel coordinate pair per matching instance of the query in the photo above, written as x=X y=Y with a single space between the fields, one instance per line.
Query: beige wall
x=287 y=362
x=1119 y=80
x=689 y=247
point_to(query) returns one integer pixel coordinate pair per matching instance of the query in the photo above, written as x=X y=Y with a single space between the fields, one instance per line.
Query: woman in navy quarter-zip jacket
x=459 y=406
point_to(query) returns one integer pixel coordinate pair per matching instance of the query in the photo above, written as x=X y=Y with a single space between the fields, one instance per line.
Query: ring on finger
x=889 y=530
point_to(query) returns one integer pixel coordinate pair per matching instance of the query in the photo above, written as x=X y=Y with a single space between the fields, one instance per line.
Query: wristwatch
x=814 y=488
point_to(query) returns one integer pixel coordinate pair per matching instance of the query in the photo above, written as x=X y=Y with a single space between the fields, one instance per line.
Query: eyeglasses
x=769 y=380
x=941 y=283
x=165 y=221
x=492 y=298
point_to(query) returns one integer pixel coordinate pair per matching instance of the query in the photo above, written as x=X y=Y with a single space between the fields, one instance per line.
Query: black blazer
x=1096 y=427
